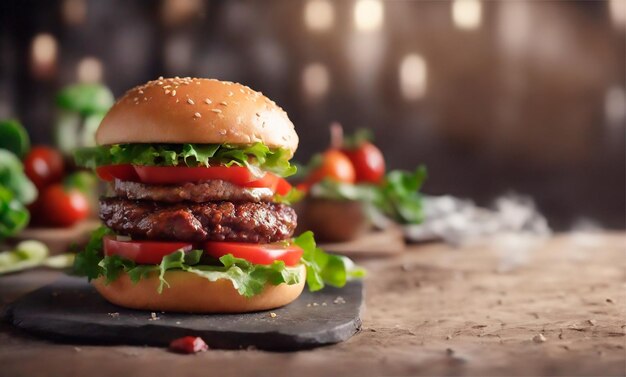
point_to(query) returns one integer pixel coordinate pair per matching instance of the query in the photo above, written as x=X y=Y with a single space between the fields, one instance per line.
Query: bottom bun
x=191 y=293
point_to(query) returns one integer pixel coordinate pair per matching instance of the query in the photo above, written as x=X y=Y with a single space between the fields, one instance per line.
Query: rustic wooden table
x=433 y=310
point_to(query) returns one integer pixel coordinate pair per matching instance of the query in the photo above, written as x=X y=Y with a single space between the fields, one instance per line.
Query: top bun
x=192 y=110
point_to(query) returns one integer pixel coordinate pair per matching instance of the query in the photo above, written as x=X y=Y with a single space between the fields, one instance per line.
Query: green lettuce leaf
x=248 y=278
x=323 y=268
x=397 y=197
x=255 y=156
x=87 y=262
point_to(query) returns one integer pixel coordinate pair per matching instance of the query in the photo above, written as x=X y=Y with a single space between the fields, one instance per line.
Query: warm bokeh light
x=368 y=15
x=467 y=14
x=413 y=77
x=74 y=11
x=319 y=15
x=618 y=12
x=44 y=50
x=176 y=12
x=89 y=70
x=615 y=106
x=315 y=80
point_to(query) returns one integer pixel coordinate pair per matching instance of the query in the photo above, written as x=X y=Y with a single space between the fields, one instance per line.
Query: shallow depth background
x=494 y=97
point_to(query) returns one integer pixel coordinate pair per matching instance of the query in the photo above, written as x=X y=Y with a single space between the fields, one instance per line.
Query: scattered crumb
x=592 y=322
x=114 y=315
x=539 y=338
x=448 y=337
x=610 y=301
x=339 y=300
x=315 y=304
x=273 y=315
x=561 y=335
x=308 y=305
x=323 y=304
x=178 y=322
x=153 y=317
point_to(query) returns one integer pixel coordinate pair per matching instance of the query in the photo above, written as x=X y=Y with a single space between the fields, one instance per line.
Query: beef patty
x=209 y=191
x=194 y=222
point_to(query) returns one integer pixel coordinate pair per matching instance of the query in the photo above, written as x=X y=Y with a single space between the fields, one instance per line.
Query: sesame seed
x=160 y=77
x=197 y=115
x=176 y=77
x=167 y=91
x=222 y=132
x=223 y=103
x=160 y=83
x=173 y=93
x=230 y=94
x=216 y=110
x=207 y=101
x=167 y=86
x=140 y=91
x=273 y=315
x=190 y=101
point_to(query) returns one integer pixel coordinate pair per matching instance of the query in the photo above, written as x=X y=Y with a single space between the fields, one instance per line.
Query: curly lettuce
x=255 y=156
x=247 y=278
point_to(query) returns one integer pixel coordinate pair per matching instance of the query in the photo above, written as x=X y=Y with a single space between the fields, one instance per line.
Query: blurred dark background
x=494 y=97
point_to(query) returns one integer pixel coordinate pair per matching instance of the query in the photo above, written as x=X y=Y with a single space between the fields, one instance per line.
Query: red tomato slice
x=142 y=252
x=181 y=174
x=124 y=172
x=237 y=175
x=255 y=253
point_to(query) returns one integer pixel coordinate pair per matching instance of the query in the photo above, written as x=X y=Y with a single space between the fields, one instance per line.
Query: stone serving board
x=71 y=310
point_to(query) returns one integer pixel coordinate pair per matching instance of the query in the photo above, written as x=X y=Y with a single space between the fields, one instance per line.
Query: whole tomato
x=334 y=165
x=61 y=207
x=44 y=166
x=368 y=162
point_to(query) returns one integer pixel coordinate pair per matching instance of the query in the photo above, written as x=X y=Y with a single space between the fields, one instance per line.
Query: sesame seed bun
x=204 y=111
x=191 y=293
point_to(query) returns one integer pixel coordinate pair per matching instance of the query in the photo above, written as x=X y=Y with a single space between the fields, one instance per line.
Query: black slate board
x=71 y=310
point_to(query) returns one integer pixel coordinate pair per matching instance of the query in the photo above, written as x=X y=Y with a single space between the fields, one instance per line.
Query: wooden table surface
x=433 y=310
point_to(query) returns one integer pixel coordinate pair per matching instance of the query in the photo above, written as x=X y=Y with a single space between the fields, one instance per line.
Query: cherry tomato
x=368 y=162
x=142 y=252
x=61 y=207
x=255 y=253
x=44 y=166
x=335 y=165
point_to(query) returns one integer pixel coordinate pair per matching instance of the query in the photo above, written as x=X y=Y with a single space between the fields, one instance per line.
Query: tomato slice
x=142 y=252
x=237 y=175
x=255 y=253
x=182 y=174
x=125 y=172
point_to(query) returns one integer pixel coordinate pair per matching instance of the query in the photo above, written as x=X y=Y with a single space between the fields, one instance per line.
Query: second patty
x=212 y=221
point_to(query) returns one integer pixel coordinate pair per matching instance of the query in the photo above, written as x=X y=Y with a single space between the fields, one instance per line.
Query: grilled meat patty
x=195 y=222
x=209 y=191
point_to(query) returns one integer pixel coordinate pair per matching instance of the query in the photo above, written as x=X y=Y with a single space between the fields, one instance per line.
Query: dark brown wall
x=503 y=112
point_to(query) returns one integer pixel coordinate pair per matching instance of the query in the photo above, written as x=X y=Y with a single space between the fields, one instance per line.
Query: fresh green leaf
x=13 y=137
x=12 y=177
x=255 y=156
x=399 y=196
x=13 y=215
x=323 y=268
x=87 y=262
x=85 y=99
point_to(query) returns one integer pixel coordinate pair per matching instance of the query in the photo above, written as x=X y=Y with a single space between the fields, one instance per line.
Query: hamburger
x=196 y=215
